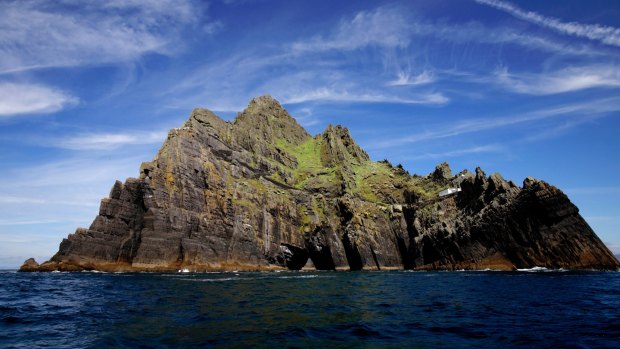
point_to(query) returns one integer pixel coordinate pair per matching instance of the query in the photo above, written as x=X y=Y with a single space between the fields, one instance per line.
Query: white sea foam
x=299 y=277
x=216 y=280
x=179 y=275
x=239 y=277
x=537 y=270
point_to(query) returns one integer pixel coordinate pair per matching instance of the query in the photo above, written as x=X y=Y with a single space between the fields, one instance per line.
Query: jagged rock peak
x=263 y=106
x=264 y=118
x=497 y=184
x=442 y=172
x=529 y=182
x=481 y=178
x=205 y=121
x=340 y=148
x=264 y=101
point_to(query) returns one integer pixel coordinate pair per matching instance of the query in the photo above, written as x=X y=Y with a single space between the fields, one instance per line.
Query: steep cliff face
x=260 y=193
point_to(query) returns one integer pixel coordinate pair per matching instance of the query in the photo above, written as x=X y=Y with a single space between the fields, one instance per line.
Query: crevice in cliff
x=181 y=257
x=350 y=249
x=406 y=259
x=408 y=251
x=349 y=237
x=374 y=257
x=129 y=247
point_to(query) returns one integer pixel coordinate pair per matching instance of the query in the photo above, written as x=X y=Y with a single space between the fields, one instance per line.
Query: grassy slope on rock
x=377 y=182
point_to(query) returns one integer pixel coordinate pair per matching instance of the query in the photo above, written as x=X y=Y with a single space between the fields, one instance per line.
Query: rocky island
x=260 y=193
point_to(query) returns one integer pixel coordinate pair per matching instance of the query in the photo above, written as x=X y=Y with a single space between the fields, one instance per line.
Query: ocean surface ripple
x=311 y=309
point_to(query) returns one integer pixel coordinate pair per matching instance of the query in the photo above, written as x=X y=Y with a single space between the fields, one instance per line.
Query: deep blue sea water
x=311 y=310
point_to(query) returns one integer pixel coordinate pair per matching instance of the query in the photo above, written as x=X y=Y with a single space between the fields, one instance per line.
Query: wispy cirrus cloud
x=561 y=128
x=564 y=80
x=303 y=71
x=68 y=176
x=108 y=141
x=25 y=98
x=332 y=95
x=385 y=27
x=605 y=34
x=591 y=109
x=475 y=32
x=406 y=79
x=311 y=69
x=25 y=200
x=12 y=222
x=395 y=28
x=489 y=148
x=392 y=27
x=40 y=34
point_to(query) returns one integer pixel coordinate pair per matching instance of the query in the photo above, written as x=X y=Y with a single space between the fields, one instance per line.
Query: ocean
x=399 y=309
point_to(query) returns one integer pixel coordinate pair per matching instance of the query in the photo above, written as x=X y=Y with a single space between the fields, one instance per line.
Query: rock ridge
x=260 y=193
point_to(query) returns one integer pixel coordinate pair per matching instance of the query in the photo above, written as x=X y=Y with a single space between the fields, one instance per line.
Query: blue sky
x=88 y=91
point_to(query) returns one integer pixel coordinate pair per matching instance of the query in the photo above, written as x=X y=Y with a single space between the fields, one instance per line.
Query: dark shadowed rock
x=260 y=193
x=442 y=172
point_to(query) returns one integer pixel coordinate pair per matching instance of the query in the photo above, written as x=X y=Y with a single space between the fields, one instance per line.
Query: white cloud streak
x=312 y=74
x=39 y=34
x=310 y=70
x=405 y=79
x=478 y=33
x=394 y=28
x=384 y=27
x=21 y=98
x=490 y=148
x=12 y=222
x=561 y=128
x=68 y=174
x=589 y=109
x=41 y=201
x=331 y=95
x=108 y=141
x=565 y=80
x=605 y=34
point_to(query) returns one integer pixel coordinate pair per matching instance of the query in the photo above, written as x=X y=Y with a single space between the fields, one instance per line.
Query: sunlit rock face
x=260 y=193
